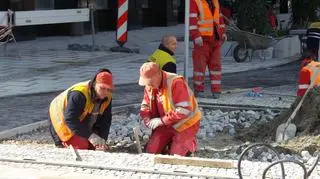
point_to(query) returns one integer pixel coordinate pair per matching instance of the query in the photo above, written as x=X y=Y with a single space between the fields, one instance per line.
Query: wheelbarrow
x=250 y=41
x=247 y=41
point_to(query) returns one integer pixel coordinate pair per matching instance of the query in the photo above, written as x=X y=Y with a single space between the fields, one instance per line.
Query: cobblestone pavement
x=123 y=162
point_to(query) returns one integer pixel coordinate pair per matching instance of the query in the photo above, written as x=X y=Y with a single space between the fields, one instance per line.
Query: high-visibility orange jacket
x=59 y=105
x=307 y=74
x=205 y=21
x=173 y=102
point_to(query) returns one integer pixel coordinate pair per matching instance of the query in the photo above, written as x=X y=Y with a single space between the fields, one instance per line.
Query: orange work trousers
x=208 y=55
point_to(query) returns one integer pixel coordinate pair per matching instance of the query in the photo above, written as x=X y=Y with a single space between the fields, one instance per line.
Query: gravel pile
x=121 y=132
x=215 y=121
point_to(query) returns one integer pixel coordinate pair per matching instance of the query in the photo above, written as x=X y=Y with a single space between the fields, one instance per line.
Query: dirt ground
x=307 y=121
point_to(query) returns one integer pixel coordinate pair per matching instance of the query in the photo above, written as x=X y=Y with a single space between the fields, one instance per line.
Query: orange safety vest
x=207 y=20
x=313 y=68
x=58 y=106
x=168 y=104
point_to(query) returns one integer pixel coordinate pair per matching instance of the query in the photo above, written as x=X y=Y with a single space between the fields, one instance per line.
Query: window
x=175 y=4
x=144 y=3
x=102 y=4
x=44 y=4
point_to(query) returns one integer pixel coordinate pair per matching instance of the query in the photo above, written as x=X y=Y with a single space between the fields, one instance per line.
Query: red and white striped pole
x=122 y=23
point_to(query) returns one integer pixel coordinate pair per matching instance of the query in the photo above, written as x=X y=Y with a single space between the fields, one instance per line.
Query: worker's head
x=170 y=42
x=103 y=84
x=150 y=75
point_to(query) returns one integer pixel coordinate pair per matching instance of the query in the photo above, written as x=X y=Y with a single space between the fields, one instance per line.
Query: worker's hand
x=96 y=140
x=154 y=123
x=198 y=41
x=104 y=147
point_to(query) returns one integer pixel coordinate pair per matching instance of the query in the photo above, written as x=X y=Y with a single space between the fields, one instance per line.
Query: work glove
x=198 y=41
x=98 y=142
x=154 y=123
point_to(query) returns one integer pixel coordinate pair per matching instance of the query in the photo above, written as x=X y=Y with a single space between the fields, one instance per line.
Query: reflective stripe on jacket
x=207 y=20
x=58 y=107
x=169 y=105
x=161 y=58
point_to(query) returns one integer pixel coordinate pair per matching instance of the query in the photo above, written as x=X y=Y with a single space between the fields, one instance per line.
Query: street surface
x=25 y=109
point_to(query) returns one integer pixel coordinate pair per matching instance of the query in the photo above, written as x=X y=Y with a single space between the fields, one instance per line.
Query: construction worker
x=310 y=63
x=81 y=115
x=163 y=56
x=170 y=109
x=207 y=31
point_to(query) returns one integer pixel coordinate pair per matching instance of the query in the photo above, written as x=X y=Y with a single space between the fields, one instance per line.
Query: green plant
x=252 y=14
x=304 y=11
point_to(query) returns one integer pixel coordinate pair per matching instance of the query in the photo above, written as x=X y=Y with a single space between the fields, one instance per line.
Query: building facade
x=142 y=13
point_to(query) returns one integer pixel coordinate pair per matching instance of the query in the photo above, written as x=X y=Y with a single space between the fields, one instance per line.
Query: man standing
x=170 y=110
x=207 y=31
x=163 y=56
x=81 y=115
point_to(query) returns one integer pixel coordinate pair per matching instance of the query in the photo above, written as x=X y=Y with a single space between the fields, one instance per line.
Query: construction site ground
x=46 y=68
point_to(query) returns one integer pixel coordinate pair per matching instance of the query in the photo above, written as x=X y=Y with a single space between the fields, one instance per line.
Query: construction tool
x=136 y=131
x=75 y=153
x=288 y=130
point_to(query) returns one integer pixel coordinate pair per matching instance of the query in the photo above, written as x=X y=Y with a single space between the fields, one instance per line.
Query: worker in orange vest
x=81 y=115
x=207 y=30
x=307 y=74
x=170 y=110
x=310 y=62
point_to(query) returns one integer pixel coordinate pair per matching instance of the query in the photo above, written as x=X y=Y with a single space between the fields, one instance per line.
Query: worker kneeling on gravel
x=81 y=115
x=170 y=109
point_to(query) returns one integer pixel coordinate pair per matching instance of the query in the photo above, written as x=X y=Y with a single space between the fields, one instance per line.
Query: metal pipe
x=258 y=145
x=186 y=39
x=126 y=169
x=285 y=161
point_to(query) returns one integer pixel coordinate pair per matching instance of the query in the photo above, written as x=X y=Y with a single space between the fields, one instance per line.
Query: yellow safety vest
x=207 y=20
x=58 y=106
x=161 y=58
x=315 y=25
x=168 y=104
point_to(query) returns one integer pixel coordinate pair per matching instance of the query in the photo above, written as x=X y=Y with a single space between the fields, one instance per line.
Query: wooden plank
x=178 y=160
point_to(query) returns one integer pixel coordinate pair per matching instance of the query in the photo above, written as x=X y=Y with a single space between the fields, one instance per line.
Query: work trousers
x=180 y=143
x=208 y=55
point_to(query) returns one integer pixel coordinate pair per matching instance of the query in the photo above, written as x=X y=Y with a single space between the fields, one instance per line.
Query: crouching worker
x=170 y=109
x=81 y=115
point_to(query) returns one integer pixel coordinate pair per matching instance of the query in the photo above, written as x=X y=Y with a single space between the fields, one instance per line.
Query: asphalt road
x=21 y=110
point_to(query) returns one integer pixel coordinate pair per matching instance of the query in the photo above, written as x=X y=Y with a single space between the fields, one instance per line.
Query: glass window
x=102 y=4
x=44 y=4
x=145 y=3
x=175 y=4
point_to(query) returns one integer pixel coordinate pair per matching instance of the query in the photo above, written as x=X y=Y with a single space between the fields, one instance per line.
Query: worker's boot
x=216 y=95
x=199 y=94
